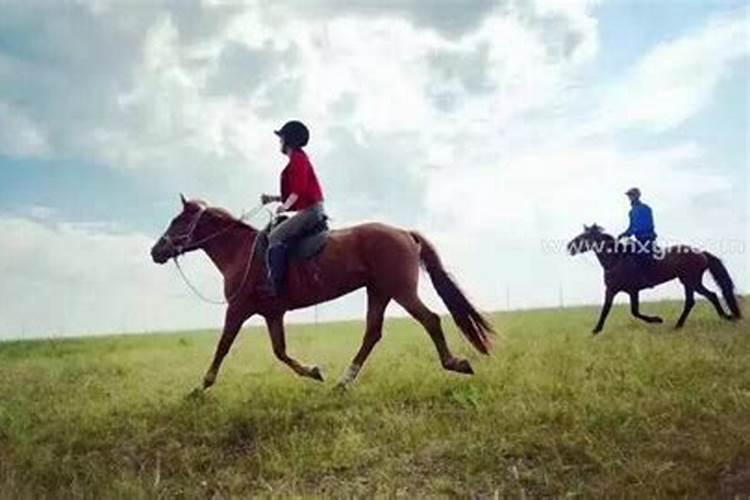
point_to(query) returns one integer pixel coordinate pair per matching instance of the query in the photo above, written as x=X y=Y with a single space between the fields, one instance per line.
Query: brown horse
x=621 y=274
x=383 y=259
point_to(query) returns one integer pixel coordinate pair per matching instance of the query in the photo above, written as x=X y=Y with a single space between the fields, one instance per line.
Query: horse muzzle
x=163 y=250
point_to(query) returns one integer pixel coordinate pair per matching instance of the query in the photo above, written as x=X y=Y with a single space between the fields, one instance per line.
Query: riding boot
x=276 y=261
x=645 y=258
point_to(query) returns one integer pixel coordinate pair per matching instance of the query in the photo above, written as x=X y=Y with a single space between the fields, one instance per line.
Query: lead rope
x=248 y=267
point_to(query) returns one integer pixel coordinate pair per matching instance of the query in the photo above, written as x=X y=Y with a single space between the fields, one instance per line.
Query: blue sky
x=492 y=128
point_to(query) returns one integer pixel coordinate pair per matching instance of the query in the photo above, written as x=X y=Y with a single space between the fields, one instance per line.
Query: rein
x=244 y=216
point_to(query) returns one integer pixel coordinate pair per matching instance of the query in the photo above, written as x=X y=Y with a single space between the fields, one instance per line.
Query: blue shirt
x=641 y=222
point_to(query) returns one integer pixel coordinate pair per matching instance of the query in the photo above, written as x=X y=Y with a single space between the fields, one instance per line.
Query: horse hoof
x=465 y=367
x=596 y=331
x=657 y=319
x=461 y=366
x=195 y=395
x=316 y=374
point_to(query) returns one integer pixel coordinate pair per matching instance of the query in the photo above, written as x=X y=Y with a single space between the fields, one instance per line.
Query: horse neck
x=607 y=256
x=227 y=248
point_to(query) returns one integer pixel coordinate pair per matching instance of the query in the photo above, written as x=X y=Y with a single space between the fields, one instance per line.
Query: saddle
x=642 y=265
x=304 y=247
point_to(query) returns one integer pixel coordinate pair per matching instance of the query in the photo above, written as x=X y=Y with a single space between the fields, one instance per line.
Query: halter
x=190 y=245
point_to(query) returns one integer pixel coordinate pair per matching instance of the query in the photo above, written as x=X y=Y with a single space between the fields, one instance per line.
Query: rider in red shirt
x=299 y=184
x=300 y=193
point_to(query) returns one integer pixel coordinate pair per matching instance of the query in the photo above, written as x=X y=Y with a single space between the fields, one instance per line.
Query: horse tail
x=472 y=324
x=721 y=277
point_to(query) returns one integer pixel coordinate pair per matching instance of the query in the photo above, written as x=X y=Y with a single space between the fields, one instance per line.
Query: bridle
x=181 y=247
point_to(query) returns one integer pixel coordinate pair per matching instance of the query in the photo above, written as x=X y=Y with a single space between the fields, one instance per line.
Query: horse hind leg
x=713 y=299
x=431 y=322
x=689 y=303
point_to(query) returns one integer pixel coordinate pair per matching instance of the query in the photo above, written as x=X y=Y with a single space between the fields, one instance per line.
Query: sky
x=495 y=127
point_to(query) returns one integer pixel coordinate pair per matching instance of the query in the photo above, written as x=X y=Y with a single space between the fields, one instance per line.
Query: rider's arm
x=629 y=230
x=289 y=202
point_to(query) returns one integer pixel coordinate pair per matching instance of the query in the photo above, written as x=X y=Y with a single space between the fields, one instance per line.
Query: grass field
x=639 y=411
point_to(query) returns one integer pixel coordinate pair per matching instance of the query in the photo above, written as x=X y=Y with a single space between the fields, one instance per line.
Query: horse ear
x=183 y=200
x=585 y=228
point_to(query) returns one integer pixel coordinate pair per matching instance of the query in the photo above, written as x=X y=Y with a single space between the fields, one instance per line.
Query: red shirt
x=299 y=178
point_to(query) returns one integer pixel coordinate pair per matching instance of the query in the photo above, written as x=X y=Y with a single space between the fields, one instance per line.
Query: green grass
x=640 y=411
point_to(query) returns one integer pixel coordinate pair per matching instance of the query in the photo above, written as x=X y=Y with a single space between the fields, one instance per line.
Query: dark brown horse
x=383 y=259
x=621 y=274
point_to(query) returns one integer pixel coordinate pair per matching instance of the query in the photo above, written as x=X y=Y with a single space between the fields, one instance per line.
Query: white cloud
x=40 y=212
x=67 y=278
x=20 y=137
x=677 y=78
x=159 y=111
x=510 y=182
x=578 y=38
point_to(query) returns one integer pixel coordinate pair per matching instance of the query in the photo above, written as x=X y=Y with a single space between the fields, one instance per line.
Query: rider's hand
x=280 y=209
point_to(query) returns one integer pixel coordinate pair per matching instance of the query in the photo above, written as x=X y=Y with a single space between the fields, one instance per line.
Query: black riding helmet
x=294 y=133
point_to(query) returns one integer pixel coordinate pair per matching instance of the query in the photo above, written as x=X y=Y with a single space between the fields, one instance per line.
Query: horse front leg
x=275 y=326
x=609 y=296
x=376 y=305
x=635 y=310
x=233 y=321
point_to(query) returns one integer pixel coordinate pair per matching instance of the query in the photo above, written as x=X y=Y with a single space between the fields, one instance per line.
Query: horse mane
x=226 y=214
x=222 y=213
x=595 y=228
x=608 y=237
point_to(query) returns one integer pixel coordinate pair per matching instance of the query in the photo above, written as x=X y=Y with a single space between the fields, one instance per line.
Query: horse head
x=593 y=238
x=180 y=236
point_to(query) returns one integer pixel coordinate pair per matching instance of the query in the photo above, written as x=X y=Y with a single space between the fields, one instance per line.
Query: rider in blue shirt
x=641 y=228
